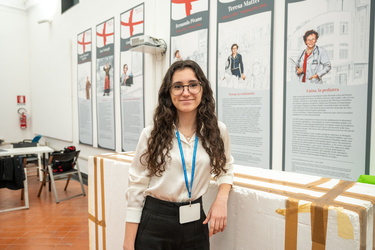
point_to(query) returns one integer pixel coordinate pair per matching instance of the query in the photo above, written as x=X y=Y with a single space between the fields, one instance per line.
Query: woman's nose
x=185 y=90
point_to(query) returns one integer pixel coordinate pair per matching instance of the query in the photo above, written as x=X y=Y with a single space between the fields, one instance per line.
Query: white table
x=28 y=151
x=24 y=151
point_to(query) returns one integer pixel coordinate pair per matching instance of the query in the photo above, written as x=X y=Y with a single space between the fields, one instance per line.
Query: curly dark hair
x=310 y=32
x=165 y=116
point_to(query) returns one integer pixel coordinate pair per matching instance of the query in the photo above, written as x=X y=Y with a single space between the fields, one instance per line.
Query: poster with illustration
x=328 y=62
x=244 y=66
x=84 y=89
x=105 y=101
x=189 y=31
x=131 y=78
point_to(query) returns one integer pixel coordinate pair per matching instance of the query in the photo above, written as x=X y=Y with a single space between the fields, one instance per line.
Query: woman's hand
x=217 y=215
x=130 y=234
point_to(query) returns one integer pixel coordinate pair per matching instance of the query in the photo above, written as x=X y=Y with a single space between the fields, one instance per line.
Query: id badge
x=190 y=212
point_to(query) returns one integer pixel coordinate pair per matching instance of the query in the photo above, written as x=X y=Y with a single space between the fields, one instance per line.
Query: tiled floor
x=45 y=225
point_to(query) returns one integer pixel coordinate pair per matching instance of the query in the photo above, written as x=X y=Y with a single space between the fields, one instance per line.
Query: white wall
x=54 y=45
x=51 y=56
x=14 y=73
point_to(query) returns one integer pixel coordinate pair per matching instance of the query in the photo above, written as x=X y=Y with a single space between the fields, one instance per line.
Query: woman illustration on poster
x=124 y=75
x=177 y=56
x=313 y=62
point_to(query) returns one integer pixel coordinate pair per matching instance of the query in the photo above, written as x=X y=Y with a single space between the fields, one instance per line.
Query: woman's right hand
x=125 y=247
x=130 y=234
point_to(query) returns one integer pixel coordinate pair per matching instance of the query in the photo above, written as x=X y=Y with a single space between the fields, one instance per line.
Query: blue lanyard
x=188 y=187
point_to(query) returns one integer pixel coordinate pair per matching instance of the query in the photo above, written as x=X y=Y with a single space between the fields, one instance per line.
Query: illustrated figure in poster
x=234 y=63
x=107 y=81
x=126 y=79
x=88 y=87
x=124 y=75
x=159 y=194
x=313 y=62
x=177 y=56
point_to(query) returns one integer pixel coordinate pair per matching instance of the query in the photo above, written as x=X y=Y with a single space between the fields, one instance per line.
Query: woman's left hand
x=217 y=216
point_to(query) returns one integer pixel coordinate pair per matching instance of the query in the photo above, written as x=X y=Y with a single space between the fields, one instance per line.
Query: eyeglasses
x=194 y=88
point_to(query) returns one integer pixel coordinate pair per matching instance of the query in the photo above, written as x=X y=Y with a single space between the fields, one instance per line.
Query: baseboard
x=84 y=178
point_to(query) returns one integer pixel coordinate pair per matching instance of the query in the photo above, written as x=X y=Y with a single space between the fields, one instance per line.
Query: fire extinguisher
x=23 y=118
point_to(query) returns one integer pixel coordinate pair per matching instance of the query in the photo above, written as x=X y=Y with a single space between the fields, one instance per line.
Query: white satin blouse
x=171 y=185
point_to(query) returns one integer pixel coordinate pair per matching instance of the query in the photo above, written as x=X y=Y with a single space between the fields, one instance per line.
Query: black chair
x=50 y=176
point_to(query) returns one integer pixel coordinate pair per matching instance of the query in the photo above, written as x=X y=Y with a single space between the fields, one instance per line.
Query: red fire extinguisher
x=23 y=118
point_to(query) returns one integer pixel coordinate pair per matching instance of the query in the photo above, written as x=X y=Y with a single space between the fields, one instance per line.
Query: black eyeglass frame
x=183 y=88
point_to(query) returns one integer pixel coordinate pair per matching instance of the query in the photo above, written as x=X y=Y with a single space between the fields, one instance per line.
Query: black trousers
x=160 y=228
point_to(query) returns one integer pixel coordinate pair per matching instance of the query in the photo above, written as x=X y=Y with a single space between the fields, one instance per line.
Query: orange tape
x=96 y=221
x=291 y=224
x=318 y=182
x=103 y=201
x=94 y=218
x=319 y=214
x=319 y=218
x=115 y=156
x=96 y=202
x=310 y=186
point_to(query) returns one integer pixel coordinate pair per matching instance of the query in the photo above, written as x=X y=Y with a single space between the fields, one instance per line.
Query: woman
x=173 y=164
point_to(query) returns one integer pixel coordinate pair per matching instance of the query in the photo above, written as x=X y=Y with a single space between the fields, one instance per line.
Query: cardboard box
x=267 y=209
x=271 y=209
x=107 y=184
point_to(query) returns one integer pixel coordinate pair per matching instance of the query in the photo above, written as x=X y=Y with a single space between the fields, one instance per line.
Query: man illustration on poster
x=313 y=62
x=107 y=81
